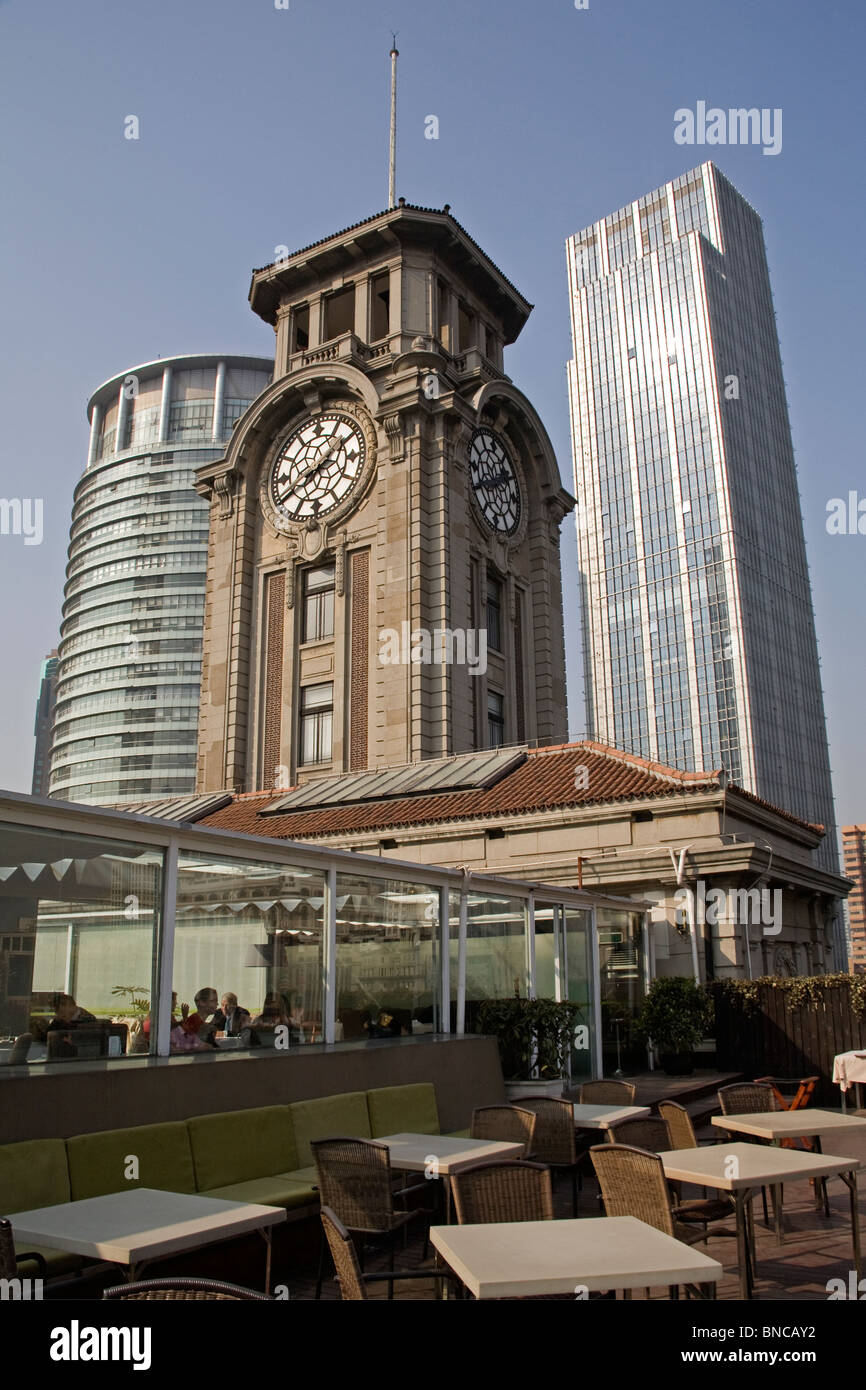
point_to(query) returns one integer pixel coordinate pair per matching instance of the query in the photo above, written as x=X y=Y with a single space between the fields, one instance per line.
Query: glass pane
x=495 y=951
x=79 y=932
x=387 y=958
x=621 y=981
x=579 y=989
x=316 y=696
x=248 y=954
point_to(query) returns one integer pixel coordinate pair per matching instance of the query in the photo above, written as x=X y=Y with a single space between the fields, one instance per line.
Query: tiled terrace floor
x=814 y=1251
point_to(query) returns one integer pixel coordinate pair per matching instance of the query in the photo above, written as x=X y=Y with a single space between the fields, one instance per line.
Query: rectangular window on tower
x=465 y=328
x=319 y=587
x=317 y=721
x=339 y=310
x=443 y=315
x=493 y=612
x=380 y=307
x=495 y=720
x=301 y=328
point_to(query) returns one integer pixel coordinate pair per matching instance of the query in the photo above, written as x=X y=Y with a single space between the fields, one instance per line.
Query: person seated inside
x=67 y=1017
x=206 y=1005
x=275 y=1013
x=68 y=1014
x=231 y=1017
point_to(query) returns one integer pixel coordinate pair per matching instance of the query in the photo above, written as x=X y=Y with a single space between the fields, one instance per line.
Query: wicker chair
x=185 y=1290
x=752 y=1098
x=633 y=1183
x=506 y=1122
x=554 y=1142
x=9 y=1259
x=503 y=1190
x=350 y=1277
x=355 y=1181
x=681 y=1131
x=645 y=1132
x=607 y=1093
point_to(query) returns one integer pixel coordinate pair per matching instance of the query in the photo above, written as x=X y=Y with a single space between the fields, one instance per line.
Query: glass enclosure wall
x=496 y=959
x=388 y=972
x=79 y=935
x=622 y=985
x=248 y=935
x=280 y=946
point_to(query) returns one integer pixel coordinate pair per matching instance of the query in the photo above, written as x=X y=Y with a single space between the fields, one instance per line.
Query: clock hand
x=320 y=461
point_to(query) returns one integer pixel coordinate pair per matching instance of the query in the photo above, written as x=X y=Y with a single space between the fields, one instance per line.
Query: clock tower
x=383 y=568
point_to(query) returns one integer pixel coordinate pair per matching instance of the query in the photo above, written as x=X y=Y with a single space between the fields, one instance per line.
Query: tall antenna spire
x=392 y=161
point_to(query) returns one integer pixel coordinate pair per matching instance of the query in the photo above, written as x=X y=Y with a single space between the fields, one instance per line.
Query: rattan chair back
x=607 y=1093
x=645 y=1132
x=747 y=1098
x=553 y=1141
x=681 y=1131
x=633 y=1183
x=184 y=1290
x=507 y=1190
x=354 y=1179
x=345 y=1258
x=504 y=1122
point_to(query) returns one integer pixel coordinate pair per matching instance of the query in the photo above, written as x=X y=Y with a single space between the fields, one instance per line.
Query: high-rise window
x=493 y=612
x=495 y=719
x=317 y=723
x=318 y=603
x=301 y=328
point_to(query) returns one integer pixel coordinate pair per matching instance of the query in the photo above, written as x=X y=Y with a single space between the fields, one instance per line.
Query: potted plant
x=535 y=1038
x=674 y=1018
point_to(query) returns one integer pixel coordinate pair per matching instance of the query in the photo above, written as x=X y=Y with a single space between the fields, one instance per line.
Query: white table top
x=602 y=1116
x=126 y=1227
x=499 y=1260
x=789 y=1124
x=413 y=1152
x=849 y=1068
x=756 y=1165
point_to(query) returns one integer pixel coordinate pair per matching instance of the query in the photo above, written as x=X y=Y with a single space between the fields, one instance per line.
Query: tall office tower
x=44 y=724
x=699 y=635
x=854 y=853
x=129 y=677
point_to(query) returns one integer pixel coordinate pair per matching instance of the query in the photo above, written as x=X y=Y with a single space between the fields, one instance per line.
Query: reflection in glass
x=387 y=958
x=252 y=930
x=79 y=924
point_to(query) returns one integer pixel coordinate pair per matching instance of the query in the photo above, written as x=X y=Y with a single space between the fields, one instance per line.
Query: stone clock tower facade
x=383 y=570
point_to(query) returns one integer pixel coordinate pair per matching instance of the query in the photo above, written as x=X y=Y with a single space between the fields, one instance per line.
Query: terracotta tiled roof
x=546 y=781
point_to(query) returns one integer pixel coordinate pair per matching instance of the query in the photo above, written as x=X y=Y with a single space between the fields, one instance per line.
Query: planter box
x=514 y=1090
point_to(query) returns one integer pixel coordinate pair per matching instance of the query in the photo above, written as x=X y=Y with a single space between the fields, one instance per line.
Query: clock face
x=317 y=467
x=494 y=481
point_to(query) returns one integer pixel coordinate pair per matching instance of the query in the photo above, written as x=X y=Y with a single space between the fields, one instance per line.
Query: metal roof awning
x=467 y=772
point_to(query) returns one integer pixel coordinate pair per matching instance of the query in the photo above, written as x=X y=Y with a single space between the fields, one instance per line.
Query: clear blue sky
x=261 y=127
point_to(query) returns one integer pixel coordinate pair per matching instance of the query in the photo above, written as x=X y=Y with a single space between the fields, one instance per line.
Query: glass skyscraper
x=699 y=636
x=129 y=676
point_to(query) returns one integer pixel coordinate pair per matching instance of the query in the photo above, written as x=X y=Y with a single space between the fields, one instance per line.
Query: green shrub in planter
x=535 y=1036
x=675 y=1014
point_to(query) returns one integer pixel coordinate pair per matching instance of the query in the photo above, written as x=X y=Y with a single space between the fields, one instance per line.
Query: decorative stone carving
x=396 y=442
x=224 y=487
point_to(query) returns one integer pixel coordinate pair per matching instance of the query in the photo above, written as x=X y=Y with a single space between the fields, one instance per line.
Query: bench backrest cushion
x=115 y=1160
x=403 y=1109
x=241 y=1145
x=33 y=1174
x=327 y=1117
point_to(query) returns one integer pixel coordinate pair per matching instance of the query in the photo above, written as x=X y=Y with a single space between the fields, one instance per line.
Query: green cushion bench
x=35 y=1174
x=403 y=1110
x=99 y=1163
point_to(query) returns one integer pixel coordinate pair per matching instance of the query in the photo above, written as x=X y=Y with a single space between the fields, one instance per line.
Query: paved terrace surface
x=814 y=1251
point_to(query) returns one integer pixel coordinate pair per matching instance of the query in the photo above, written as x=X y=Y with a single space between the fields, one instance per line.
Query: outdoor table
x=604 y=1116
x=792 y=1124
x=849 y=1068
x=440 y=1155
x=133 y=1228
x=758 y=1166
x=517 y=1259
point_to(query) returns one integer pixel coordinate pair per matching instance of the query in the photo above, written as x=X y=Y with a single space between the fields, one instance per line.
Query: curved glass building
x=128 y=681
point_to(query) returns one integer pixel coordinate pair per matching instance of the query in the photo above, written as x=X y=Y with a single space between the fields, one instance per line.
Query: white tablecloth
x=848 y=1068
